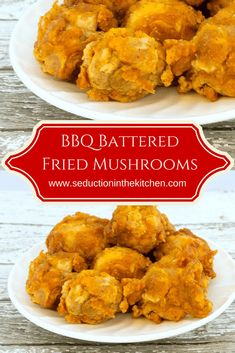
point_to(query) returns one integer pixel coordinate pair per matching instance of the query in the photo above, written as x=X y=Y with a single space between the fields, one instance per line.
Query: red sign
x=83 y=161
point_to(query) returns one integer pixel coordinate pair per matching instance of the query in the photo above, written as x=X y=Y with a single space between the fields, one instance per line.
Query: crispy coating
x=179 y=56
x=79 y=233
x=215 y=5
x=121 y=262
x=119 y=7
x=170 y=290
x=164 y=19
x=63 y=34
x=138 y=227
x=47 y=274
x=132 y=290
x=213 y=69
x=187 y=246
x=169 y=228
x=194 y=3
x=122 y=66
x=90 y=298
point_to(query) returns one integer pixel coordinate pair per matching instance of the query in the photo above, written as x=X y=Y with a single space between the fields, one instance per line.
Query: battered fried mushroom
x=121 y=263
x=47 y=274
x=90 y=298
x=138 y=227
x=213 y=69
x=164 y=19
x=170 y=290
x=188 y=247
x=63 y=33
x=79 y=233
x=122 y=66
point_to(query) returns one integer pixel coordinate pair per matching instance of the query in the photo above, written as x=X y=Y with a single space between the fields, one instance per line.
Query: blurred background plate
x=166 y=104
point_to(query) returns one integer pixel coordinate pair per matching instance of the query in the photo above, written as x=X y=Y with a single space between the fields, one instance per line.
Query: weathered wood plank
x=4 y=273
x=13 y=9
x=22 y=109
x=24 y=332
x=10 y=141
x=14 y=239
x=6 y=28
x=223 y=125
x=219 y=347
x=214 y=207
x=222 y=140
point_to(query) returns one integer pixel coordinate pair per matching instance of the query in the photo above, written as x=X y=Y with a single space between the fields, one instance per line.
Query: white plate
x=166 y=104
x=122 y=329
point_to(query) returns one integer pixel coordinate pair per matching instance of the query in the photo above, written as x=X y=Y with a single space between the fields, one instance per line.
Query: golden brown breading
x=47 y=274
x=169 y=228
x=179 y=56
x=195 y=3
x=63 y=34
x=138 y=227
x=122 y=66
x=170 y=290
x=188 y=247
x=215 y=5
x=164 y=19
x=132 y=290
x=121 y=262
x=213 y=69
x=79 y=233
x=117 y=6
x=90 y=298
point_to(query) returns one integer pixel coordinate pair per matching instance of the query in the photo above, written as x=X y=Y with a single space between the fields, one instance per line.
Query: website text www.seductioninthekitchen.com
x=115 y=183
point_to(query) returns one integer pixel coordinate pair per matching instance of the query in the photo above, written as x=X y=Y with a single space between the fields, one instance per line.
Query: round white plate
x=122 y=329
x=166 y=104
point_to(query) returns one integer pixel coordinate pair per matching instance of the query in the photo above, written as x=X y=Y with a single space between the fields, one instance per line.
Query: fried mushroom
x=121 y=262
x=212 y=72
x=123 y=66
x=141 y=228
x=47 y=274
x=79 y=233
x=164 y=19
x=170 y=290
x=64 y=32
x=187 y=246
x=90 y=297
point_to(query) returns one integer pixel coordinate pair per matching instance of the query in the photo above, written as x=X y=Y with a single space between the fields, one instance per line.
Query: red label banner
x=83 y=161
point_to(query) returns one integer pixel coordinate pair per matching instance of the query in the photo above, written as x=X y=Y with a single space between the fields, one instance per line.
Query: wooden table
x=20 y=109
x=24 y=221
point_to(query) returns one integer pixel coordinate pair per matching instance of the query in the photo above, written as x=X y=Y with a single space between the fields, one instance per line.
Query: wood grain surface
x=24 y=221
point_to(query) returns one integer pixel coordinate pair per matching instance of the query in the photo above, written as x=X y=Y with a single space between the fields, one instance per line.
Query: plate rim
x=110 y=339
x=86 y=113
